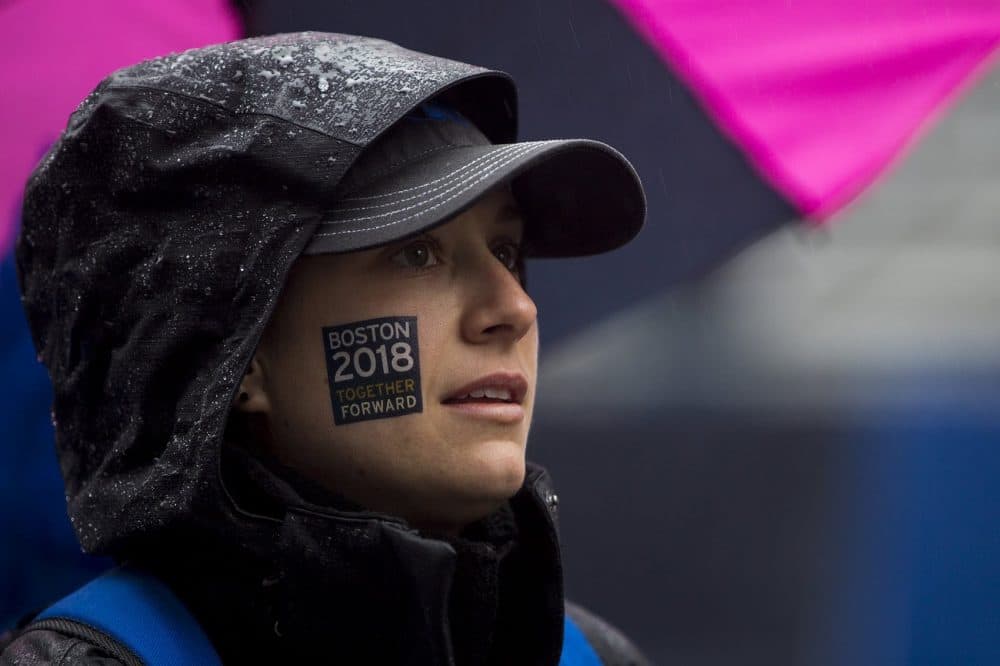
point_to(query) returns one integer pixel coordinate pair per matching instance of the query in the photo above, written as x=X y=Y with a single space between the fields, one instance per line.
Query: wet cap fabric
x=577 y=196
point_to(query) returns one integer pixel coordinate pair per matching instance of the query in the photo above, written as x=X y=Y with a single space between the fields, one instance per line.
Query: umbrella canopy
x=822 y=96
x=63 y=49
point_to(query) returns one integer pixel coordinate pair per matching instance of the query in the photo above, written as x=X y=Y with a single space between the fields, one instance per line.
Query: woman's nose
x=497 y=307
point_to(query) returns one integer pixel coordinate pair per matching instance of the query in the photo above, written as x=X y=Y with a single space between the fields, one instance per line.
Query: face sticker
x=373 y=368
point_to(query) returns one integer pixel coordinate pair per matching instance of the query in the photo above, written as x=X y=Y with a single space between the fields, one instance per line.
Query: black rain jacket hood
x=156 y=237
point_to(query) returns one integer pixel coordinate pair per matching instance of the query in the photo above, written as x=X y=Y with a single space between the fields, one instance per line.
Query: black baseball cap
x=577 y=196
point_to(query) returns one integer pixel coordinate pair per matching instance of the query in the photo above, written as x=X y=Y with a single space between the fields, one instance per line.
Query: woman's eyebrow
x=508 y=213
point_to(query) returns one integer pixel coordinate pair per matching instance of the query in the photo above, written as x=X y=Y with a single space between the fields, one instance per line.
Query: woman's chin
x=479 y=489
x=497 y=470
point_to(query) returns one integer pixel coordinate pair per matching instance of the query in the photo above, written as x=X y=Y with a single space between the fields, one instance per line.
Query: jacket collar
x=321 y=579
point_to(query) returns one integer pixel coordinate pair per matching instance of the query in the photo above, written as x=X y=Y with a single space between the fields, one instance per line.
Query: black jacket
x=345 y=586
x=149 y=266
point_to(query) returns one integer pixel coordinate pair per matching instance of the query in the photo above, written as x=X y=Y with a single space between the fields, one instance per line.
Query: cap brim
x=578 y=197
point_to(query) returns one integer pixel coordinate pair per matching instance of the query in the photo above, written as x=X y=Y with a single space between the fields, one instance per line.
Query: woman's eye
x=419 y=254
x=509 y=255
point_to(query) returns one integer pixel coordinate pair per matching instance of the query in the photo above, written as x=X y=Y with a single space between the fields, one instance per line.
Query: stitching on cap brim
x=332 y=237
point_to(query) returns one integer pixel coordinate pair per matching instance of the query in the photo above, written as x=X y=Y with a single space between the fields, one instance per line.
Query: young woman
x=279 y=285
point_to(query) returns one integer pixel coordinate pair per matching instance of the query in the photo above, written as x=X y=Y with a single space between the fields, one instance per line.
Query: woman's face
x=403 y=377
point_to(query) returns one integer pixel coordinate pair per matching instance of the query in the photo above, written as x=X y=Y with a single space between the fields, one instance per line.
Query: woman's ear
x=252 y=398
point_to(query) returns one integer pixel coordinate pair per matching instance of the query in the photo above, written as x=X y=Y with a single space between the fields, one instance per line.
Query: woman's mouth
x=496 y=397
x=487 y=394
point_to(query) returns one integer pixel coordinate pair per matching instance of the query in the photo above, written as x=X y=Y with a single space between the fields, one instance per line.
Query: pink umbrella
x=56 y=51
x=823 y=96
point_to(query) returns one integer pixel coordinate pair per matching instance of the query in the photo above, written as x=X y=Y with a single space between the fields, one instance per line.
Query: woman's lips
x=503 y=412
x=496 y=397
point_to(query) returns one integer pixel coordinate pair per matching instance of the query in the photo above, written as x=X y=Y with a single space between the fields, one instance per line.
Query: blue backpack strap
x=576 y=650
x=141 y=613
